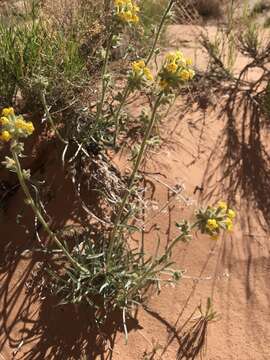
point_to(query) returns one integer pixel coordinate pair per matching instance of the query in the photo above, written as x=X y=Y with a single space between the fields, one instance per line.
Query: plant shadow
x=68 y=331
x=35 y=326
x=32 y=324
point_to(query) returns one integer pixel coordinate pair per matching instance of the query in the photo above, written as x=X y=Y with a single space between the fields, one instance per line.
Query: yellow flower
x=27 y=127
x=20 y=123
x=8 y=111
x=231 y=214
x=170 y=57
x=149 y=76
x=135 y=19
x=191 y=74
x=5 y=136
x=171 y=67
x=184 y=75
x=175 y=70
x=4 y=120
x=127 y=10
x=179 y=55
x=212 y=224
x=189 y=62
x=163 y=84
x=222 y=205
x=229 y=224
x=138 y=66
x=214 y=237
x=127 y=15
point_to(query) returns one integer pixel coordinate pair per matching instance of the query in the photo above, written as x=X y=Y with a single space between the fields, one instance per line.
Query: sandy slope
x=233 y=271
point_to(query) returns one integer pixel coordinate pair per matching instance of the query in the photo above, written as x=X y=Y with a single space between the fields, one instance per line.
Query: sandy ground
x=232 y=271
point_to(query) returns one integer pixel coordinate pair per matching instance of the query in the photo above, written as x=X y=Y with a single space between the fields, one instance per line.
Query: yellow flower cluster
x=212 y=224
x=139 y=69
x=26 y=127
x=140 y=75
x=14 y=127
x=176 y=70
x=230 y=214
x=127 y=10
x=213 y=219
x=5 y=136
x=8 y=111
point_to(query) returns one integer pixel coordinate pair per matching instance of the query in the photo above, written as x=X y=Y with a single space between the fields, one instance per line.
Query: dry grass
x=196 y=11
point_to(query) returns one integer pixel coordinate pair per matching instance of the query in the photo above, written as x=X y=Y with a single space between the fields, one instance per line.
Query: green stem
x=170 y=5
x=133 y=176
x=48 y=115
x=104 y=82
x=159 y=261
x=173 y=243
x=38 y=214
x=116 y=117
x=177 y=239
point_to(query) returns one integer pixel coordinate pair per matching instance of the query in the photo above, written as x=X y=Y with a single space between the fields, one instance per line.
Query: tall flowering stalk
x=139 y=75
x=105 y=80
x=125 y=13
x=50 y=119
x=14 y=129
x=139 y=65
x=132 y=177
x=161 y=25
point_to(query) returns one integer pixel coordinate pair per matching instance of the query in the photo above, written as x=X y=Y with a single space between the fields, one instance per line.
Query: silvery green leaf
x=26 y=174
x=9 y=163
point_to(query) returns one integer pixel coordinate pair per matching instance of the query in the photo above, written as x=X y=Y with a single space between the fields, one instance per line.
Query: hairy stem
x=38 y=214
x=48 y=115
x=177 y=239
x=133 y=176
x=116 y=117
x=169 y=7
x=104 y=82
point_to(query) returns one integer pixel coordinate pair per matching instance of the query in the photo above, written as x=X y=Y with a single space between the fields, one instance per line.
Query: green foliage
x=34 y=47
x=151 y=13
x=151 y=16
x=119 y=284
x=41 y=57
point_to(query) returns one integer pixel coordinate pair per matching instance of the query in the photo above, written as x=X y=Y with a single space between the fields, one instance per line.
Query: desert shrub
x=209 y=8
x=101 y=268
x=34 y=47
x=195 y=11
x=152 y=13
x=29 y=52
x=260 y=7
x=141 y=37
